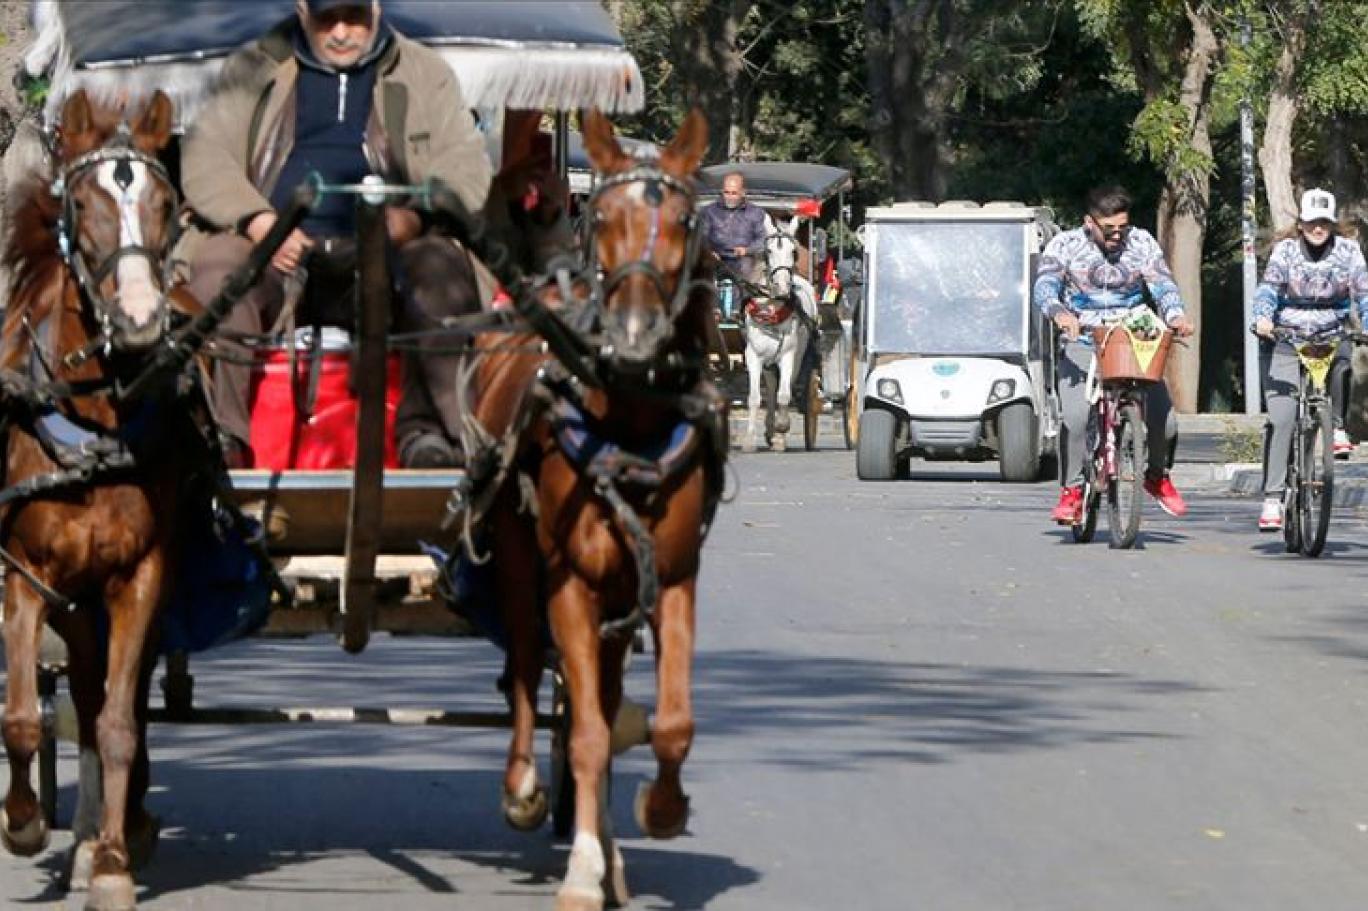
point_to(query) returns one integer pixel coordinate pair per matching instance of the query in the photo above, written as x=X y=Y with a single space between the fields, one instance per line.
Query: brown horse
x=607 y=476
x=88 y=546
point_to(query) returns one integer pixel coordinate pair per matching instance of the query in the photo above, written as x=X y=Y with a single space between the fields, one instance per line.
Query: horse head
x=781 y=257
x=644 y=237
x=118 y=220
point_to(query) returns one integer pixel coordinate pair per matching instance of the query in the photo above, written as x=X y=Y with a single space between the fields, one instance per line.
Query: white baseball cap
x=1318 y=205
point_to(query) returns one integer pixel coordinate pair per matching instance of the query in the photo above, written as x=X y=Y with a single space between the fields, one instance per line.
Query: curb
x=1246 y=480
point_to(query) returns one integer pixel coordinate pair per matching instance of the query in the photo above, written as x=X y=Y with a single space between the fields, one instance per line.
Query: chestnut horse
x=93 y=480
x=606 y=472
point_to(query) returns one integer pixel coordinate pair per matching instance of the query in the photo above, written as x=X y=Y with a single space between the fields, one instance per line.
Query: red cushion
x=327 y=440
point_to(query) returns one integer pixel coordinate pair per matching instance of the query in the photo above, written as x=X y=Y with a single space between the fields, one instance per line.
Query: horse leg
x=754 y=367
x=612 y=667
x=662 y=807
x=524 y=799
x=784 y=394
x=132 y=603
x=142 y=830
x=86 y=677
x=23 y=830
x=575 y=620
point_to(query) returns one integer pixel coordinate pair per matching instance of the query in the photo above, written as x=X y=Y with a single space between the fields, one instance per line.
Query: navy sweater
x=332 y=110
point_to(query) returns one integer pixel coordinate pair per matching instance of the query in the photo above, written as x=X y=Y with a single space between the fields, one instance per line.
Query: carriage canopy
x=559 y=55
x=779 y=185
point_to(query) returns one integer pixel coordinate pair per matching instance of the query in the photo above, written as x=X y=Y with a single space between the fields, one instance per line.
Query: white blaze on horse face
x=136 y=291
x=781 y=254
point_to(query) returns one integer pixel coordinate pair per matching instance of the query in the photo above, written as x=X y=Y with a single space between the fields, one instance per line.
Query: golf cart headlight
x=888 y=389
x=1002 y=389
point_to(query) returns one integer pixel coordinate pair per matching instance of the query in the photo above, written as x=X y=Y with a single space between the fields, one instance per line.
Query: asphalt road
x=911 y=695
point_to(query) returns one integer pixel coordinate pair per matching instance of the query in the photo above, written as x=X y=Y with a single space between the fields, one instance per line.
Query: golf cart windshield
x=948 y=287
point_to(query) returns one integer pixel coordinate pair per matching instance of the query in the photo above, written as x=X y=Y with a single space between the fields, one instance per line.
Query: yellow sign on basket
x=1145 y=349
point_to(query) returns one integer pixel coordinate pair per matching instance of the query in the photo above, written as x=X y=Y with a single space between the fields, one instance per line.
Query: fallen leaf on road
x=1214 y=833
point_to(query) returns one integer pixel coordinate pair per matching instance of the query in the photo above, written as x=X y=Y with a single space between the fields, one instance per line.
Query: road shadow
x=227 y=828
x=816 y=712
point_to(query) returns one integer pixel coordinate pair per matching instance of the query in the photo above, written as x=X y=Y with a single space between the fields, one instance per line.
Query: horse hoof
x=779 y=445
x=579 y=898
x=657 y=825
x=526 y=814
x=111 y=892
x=29 y=840
x=82 y=865
x=142 y=841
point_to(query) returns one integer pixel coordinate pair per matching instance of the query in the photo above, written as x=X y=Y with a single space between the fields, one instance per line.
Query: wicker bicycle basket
x=1121 y=356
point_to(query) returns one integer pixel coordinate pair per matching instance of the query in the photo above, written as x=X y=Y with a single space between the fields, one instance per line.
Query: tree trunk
x=1275 y=154
x=711 y=62
x=1183 y=210
x=914 y=58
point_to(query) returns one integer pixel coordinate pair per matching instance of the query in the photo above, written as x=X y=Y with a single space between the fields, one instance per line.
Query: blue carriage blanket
x=222 y=592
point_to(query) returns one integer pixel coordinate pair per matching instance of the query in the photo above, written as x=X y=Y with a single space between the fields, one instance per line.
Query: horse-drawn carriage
x=806 y=205
x=582 y=365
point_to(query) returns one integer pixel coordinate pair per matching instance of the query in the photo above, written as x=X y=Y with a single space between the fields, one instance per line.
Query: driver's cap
x=1318 y=205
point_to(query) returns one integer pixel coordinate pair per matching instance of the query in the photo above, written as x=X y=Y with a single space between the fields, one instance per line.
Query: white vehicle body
x=952 y=360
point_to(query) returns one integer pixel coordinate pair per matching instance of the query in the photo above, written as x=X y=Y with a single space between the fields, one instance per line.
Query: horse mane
x=33 y=261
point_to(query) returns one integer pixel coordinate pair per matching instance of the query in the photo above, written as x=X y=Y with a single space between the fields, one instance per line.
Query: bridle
x=770 y=273
x=656 y=182
x=122 y=151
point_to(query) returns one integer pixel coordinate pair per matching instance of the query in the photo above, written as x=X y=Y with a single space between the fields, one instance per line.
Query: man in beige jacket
x=340 y=93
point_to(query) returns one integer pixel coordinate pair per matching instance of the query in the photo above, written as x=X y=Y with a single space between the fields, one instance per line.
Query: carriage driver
x=1095 y=274
x=337 y=91
x=733 y=227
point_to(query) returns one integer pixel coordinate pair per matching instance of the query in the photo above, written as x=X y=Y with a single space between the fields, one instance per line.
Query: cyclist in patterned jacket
x=1313 y=280
x=1094 y=274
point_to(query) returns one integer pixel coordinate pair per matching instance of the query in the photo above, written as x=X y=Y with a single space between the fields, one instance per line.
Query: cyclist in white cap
x=1315 y=276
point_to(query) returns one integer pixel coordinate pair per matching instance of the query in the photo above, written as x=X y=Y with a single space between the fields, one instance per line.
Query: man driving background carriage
x=340 y=93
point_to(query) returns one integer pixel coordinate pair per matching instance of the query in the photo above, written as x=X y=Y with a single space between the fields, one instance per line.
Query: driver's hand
x=1068 y=324
x=403 y=225
x=1182 y=326
x=1263 y=327
x=287 y=258
x=739 y=251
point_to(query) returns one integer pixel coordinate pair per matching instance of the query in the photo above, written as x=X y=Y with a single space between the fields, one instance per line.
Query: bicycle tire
x=1084 y=531
x=1126 y=490
x=1318 y=482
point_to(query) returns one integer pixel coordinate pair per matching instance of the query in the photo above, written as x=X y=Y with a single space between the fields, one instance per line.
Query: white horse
x=776 y=332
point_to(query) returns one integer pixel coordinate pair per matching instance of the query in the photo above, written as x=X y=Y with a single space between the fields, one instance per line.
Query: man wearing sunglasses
x=1096 y=274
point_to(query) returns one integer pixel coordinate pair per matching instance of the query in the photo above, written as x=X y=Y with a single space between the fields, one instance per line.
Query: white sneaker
x=1271 y=518
x=1343 y=447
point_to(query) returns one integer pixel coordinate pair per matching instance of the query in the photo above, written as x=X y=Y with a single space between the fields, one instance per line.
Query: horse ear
x=154 y=127
x=78 y=119
x=793 y=225
x=602 y=146
x=685 y=153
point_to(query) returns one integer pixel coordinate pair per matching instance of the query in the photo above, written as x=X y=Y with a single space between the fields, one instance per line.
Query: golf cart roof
x=546 y=55
x=959 y=210
x=778 y=184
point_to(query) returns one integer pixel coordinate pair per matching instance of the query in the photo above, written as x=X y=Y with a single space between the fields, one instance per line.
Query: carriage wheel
x=812 y=413
x=562 y=776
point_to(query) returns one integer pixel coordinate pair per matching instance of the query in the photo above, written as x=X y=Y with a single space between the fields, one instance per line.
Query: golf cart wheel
x=1018 y=443
x=850 y=419
x=812 y=411
x=876 y=452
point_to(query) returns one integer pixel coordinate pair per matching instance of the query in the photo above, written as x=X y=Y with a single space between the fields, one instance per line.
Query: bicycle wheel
x=1092 y=495
x=1317 y=488
x=1126 y=488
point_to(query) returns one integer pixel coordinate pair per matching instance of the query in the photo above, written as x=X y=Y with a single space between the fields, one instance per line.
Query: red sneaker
x=1069 y=509
x=1170 y=500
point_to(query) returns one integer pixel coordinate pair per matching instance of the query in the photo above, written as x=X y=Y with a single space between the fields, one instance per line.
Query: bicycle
x=1309 y=496
x=1123 y=366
